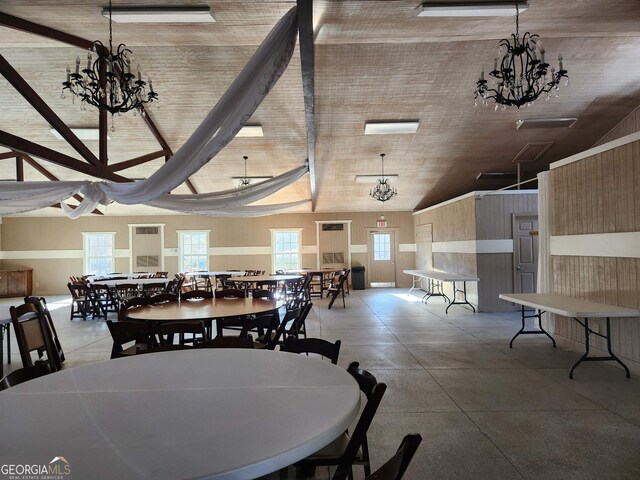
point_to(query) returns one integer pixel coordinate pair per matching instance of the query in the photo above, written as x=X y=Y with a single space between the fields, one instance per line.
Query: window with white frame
x=381 y=246
x=193 y=250
x=286 y=249
x=98 y=253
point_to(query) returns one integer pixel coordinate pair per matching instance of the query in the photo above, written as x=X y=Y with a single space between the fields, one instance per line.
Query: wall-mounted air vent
x=147 y=261
x=531 y=152
x=332 y=227
x=147 y=230
x=332 y=258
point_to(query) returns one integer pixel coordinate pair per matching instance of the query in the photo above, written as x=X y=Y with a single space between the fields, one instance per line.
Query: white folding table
x=435 y=280
x=574 y=308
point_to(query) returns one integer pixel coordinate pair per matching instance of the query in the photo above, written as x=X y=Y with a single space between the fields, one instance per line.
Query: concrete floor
x=484 y=411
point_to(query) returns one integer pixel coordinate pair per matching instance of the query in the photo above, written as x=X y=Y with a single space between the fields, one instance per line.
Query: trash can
x=357 y=278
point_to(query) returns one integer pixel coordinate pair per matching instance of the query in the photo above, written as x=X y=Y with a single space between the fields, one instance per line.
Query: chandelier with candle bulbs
x=520 y=72
x=107 y=83
x=383 y=190
x=244 y=181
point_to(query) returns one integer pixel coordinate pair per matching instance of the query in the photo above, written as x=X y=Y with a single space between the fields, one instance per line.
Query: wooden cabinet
x=16 y=282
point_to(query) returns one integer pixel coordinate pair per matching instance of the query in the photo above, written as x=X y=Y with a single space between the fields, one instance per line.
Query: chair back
x=127 y=332
x=41 y=304
x=33 y=333
x=227 y=342
x=259 y=293
x=165 y=348
x=168 y=329
x=395 y=467
x=283 y=329
x=153 y=288
x=162 y=298
x=374 y=392
x=24 y=375
x=129 y=304
x=196 y=294
x=313 y=345
x=266 y=324
x=230 y=293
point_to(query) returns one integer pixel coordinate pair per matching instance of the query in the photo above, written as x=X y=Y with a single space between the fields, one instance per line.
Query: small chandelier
x=121 y=91
x=522 y=74
x=383 y=191
x=244 y=181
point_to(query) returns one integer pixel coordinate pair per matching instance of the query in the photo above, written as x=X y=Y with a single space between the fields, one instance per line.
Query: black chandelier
x=522 y=74
x=383 y=191
x=244 y=181
x=107 y=83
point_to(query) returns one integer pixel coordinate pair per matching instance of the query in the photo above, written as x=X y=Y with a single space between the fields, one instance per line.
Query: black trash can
x=357 y=278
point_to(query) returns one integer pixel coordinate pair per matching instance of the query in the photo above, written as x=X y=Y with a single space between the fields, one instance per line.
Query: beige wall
x=630 y=124
x=599 y=194
x=468 y=225
x=53 y=246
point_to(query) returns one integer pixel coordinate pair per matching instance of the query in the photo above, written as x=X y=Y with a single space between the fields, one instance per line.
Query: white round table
x=233 y=414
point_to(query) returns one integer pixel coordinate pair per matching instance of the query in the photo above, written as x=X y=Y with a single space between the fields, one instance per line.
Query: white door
x=382 y=259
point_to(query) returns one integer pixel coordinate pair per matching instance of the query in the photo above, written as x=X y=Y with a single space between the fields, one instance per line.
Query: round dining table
x=265 y=278
x=202 y=413
x=135 y=281
x=203 y=309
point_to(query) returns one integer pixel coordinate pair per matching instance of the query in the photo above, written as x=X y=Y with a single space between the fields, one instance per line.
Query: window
x=286 y=249
x=193 y=251
x=98 y=253
x=382 y=246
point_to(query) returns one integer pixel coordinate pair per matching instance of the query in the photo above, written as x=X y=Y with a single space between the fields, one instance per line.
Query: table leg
x=464 y=295
x=522 y=330
x=585 y=356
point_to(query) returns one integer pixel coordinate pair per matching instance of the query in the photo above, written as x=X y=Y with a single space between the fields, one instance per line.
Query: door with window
x=382 y=259
x=525 y=253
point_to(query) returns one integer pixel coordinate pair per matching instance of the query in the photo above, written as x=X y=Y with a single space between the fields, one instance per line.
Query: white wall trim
x=41 y=254
x=407 y=247
x=359 y=248
x=503 y=245
x=480 y=195
x=634 y=137
x=624 y=245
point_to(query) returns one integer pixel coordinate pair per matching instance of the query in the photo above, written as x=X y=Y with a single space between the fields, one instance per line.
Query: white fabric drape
x=545 y=274
x=217 y=129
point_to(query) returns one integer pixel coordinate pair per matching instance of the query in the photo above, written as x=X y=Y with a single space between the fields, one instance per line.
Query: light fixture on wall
x=244 y=181
x=520 y=74
x=107 y=83
x=383 y=190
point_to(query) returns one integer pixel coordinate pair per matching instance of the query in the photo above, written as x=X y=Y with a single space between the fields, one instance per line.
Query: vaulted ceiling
x=374 y=60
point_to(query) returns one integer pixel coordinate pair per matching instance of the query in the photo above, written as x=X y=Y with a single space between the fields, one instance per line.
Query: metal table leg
x=541 y=330
x=585 y=356
x=464 y=296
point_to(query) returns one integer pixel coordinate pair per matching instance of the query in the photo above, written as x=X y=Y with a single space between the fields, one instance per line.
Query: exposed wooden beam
x=116 y=167
x=103 y=122
x=29 y=148
x=50 y=176
x=5 y=155
x=30 y=95
x=37 y=29
x=305 y=31
x=19 y=169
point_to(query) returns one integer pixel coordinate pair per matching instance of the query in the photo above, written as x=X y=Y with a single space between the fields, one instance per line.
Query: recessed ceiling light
x=160 y=14
x=250 y=131
x=374 y=178
x=390 y=128
x=81 y=133
x=546 y=123
x=466 y=9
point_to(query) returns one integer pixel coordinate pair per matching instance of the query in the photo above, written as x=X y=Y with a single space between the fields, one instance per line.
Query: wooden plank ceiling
x=374 y=60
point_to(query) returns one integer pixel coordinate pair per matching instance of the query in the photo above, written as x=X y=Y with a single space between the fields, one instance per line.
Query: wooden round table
x=204 y=309
x=206 y=413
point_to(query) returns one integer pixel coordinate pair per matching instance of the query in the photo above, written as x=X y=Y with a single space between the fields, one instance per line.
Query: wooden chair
x=175 y=285
x=337 y=288
x=265 y=326
x=317 y=346
x=227 y=342
x=396 y=466
x=203 y=282
x=126 y=332
x=24 y=375
x=229 y=293
x=126 y=291
x=162 y=298
x=233 y=323
x=131 y=303
x=259 y=293
x=164 y=348
x=41 y=305
x=33 y=334
x=161 y=275
x=81 y=302
x=167 y=330
x=105 y=299
x=286 y=326
x=150 y=289
x=348 y=450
